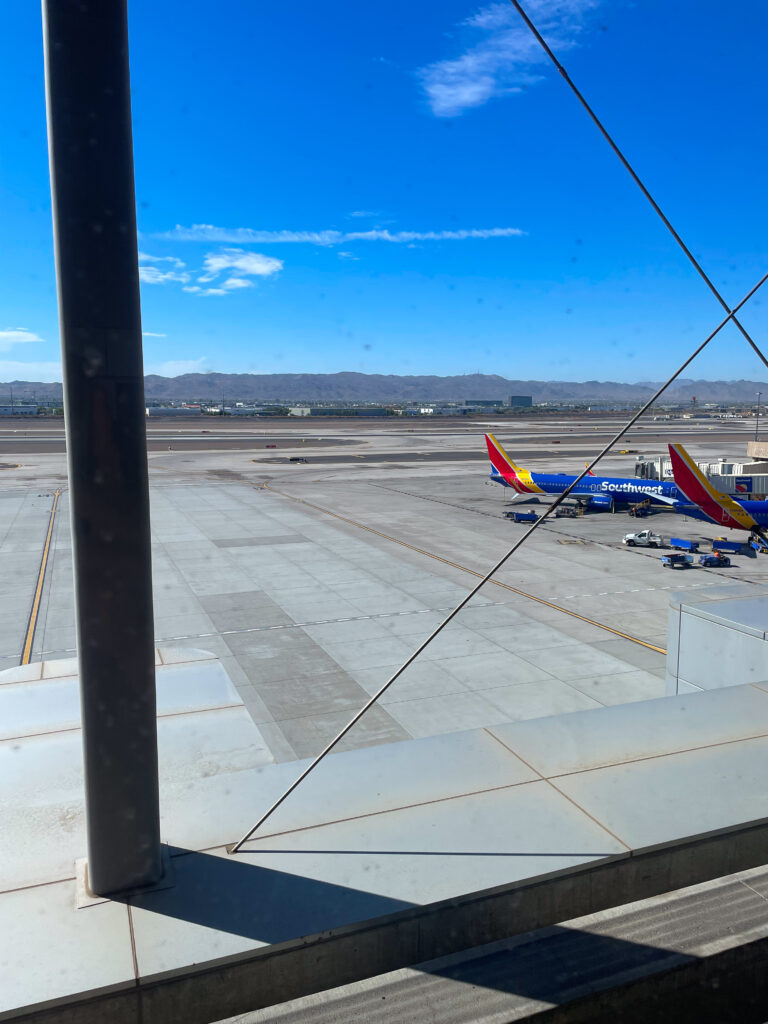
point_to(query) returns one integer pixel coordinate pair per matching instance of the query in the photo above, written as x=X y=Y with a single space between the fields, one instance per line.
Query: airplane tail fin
x=589 y=471
x=720 y=507
x=501 y=462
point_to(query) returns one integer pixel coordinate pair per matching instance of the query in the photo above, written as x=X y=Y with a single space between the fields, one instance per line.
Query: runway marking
x=35 y=610
x=282 y=625
x=464 y=568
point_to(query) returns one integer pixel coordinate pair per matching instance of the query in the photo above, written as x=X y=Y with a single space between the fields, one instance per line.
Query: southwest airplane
x=600 y=492
x=701 y=500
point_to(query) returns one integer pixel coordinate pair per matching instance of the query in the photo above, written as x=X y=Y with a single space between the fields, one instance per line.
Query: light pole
x=757 y=416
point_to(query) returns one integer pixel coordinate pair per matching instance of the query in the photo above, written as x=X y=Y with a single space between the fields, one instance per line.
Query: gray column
x=94 y=216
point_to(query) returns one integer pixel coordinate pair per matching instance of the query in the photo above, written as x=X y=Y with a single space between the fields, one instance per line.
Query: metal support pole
x=94 y=218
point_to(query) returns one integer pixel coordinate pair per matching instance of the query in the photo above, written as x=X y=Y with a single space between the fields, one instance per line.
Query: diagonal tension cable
x=635 y=177
x=558 y=501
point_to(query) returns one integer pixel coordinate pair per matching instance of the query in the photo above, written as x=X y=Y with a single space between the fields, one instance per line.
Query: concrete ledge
x=231 y=985
x=389 y=857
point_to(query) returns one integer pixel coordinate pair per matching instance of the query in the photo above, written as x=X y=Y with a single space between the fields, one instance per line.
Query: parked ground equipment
x=644 y=539
x=715 y=560
x=721 y=544
x=677 y=561
x=681 y=544
x=522 y=517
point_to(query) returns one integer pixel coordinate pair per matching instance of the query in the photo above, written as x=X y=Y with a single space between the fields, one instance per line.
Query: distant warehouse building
x=363 y=410
x=483 y=403
x=524 y=401
x=18 y=410
x=173 y=410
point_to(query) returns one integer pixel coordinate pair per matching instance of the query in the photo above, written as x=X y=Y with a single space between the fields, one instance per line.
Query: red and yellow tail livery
x=720 y=508
x=513 y=475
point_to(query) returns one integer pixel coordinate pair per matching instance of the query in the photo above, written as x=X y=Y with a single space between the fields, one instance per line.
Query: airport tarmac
x=313 y=583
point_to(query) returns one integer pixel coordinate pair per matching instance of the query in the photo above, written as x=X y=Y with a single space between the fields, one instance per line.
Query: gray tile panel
x=243 y=610
x=252 y=542
x=420 y=679
x=538 y=699
x=583 y=741
x=394 y=776
x=506 y=834
x=575 y=661
x=666 y=798
x=623 y=688
x=48 y=950
x=41 y=784
x=432 y=715
x=308 y=736
x=484 y=671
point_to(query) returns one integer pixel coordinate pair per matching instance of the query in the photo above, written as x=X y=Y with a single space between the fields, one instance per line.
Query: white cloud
x=197 y=290
x=44 y=372
x=146 y=258
x=175 y=367
x=151 y=275
x=348 y=256
x=16 y=336
x=240 y=262
x=363 y=213
x=210 y=233
x=237 y=282
x=507 y=58
x=151 y=334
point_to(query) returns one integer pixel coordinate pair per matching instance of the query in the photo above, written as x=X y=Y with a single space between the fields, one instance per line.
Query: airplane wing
x=664 y=498
x=720 y=507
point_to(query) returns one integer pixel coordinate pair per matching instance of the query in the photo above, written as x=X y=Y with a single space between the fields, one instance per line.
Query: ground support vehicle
x=721 y=544
x=639 y=511
x=522 y=517
x=677 y=561
x=644 y=539
x=716 y=560
x=680 y=544
x=568 y=512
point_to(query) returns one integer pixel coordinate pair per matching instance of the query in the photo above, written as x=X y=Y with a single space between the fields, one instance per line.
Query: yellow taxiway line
x=472 y=572
x=35 y=610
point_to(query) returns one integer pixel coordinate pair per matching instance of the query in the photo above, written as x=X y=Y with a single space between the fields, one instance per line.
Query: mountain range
x=372 y=387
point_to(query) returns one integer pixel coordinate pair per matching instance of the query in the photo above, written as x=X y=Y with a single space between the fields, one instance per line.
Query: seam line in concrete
x=76 y=728
x=386 y=810
x=638 y=760
x=134 y=957
x=570 y=800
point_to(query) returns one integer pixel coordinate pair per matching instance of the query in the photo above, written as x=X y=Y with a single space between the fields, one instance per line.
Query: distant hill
x=374 y=387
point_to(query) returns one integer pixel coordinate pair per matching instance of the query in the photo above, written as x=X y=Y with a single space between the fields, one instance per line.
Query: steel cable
x=635 y=177
x=234 y=848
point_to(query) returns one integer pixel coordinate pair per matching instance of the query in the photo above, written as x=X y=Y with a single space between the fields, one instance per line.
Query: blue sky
x=408 y=188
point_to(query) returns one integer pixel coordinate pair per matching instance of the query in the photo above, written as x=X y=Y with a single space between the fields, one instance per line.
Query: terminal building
x=748 y=480
x=173 y=410
x=18 y=410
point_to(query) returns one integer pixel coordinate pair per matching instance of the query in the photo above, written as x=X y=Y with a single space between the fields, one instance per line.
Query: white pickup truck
x=644 y=539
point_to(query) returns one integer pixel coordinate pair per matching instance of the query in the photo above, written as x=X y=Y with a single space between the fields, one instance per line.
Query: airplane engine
x=604 y=502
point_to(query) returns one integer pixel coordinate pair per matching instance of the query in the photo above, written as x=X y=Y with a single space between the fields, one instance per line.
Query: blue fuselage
x=621 y=489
